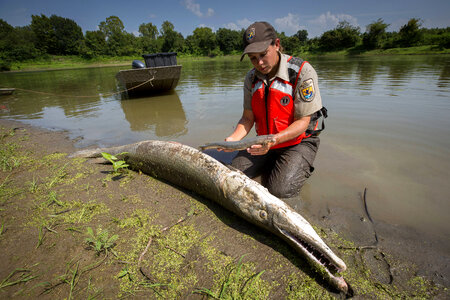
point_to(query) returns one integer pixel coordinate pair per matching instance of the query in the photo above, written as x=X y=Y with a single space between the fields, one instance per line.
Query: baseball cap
x=258 y=37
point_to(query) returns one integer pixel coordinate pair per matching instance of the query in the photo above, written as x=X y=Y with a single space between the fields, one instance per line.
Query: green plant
x=40 y=236
x=4 y=190
x=53 y=198
x=11 y=132
x=8 y=157
x=24 y=277
x=236 y=285
x=125 y=272
x=101 y=241
x=117 y=164
x=59 y=176
x=33 y=186
x=95 y=291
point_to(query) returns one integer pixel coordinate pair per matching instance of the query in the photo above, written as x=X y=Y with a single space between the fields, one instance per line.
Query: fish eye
x=263 y=214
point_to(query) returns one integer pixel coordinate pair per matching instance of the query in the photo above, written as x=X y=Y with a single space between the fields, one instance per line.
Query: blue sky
x=287 y=16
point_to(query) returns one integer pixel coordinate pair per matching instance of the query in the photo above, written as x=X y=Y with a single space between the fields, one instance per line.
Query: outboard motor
x=137 y=64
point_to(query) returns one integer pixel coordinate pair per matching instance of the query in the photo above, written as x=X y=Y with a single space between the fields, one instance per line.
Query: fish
x=196 y=171
x=240 y=145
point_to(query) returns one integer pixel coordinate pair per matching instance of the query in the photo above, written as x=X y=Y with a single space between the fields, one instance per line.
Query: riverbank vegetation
x=49 y=39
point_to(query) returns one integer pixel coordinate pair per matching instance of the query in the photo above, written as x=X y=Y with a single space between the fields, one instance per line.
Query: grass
x=72 y=277
x=8 y=158
x=64 y=199
x=235 y=286
x=24 y=276
x=67 y=62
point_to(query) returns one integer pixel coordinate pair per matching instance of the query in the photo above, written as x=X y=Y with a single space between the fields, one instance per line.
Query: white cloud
x=240 y=24
x=244 y=23
x=289 y=24
x=194 y=7
x=210 y=12
x=329 y=21
x=231 y=26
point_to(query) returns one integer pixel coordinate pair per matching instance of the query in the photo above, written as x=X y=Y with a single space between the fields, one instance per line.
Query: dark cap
x=258 y=37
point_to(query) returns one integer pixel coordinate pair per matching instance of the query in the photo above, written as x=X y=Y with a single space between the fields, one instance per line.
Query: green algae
x=180 y=260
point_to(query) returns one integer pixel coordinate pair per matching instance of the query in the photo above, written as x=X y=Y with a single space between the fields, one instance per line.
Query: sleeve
x=248 y=90
x=307 y=94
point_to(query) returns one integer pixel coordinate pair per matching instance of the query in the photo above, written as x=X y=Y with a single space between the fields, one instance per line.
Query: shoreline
x=400 y=257
x=60 y=62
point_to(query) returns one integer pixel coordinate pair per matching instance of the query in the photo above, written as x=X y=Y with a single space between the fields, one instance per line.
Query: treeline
x=56 y=35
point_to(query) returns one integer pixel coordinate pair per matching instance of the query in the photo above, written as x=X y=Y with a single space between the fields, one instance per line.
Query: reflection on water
x=162 y=114
x=388 y=127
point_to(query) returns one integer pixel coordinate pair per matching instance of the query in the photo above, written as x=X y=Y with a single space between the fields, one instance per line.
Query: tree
x=375 y=35
x=410 y=34
x=43 y=31
x=228 y=40
x=5 y=28
x=68 y=36
x=148 y=40
x=302 y=36
x=111 y=27
x=95 y=44
x=6 y=33
x=204 y=40
x=289 y=43
x=56 y=35
x=116 y=39
x=342 y=37
x=172 y=40
x=16 y=44
x=22 y=44
x=148 y=30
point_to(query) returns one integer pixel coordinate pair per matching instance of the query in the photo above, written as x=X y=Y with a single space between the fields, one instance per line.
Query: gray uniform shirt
x=307 y=98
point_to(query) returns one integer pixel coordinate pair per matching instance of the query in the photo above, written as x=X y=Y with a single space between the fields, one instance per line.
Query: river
x=388 y=128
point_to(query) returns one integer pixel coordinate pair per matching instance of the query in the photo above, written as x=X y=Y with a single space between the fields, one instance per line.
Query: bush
x=5 y=66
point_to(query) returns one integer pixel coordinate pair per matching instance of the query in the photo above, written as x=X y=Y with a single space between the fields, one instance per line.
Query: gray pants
x=283 y=171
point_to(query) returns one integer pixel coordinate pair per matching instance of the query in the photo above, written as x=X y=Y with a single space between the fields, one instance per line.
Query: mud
x=48 y=202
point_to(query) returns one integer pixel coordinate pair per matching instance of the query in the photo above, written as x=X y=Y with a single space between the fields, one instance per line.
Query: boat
x=6 y=91
x=160 y=73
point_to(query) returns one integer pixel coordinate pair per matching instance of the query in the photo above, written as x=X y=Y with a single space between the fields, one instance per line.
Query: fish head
x=256 y=204
x=298 y=232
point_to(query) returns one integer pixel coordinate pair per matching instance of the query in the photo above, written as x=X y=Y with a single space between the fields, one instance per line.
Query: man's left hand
x=260 y=149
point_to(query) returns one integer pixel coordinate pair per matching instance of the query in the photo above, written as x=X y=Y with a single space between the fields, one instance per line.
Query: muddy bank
x=72 y=229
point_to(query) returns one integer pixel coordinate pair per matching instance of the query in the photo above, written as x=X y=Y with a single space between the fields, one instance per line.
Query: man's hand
x=261 y=149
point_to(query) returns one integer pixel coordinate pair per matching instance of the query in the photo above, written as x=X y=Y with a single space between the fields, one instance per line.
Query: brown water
x=388 y=129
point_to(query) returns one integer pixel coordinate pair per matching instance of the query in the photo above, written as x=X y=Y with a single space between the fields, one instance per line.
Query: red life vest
x=273 y=106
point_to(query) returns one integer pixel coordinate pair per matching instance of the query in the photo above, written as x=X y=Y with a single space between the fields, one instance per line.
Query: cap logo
x=251 y=34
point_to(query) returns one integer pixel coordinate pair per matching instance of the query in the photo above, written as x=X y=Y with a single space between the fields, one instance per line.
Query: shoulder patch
x=307 y=91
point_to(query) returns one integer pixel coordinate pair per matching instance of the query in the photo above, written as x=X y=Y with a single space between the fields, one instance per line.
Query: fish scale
x=191 y=169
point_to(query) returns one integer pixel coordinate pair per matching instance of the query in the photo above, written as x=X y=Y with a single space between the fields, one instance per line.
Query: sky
x=286 y=16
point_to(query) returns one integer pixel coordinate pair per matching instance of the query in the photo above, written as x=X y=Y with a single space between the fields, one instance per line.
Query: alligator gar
x=240 y=145
x=189 y=168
